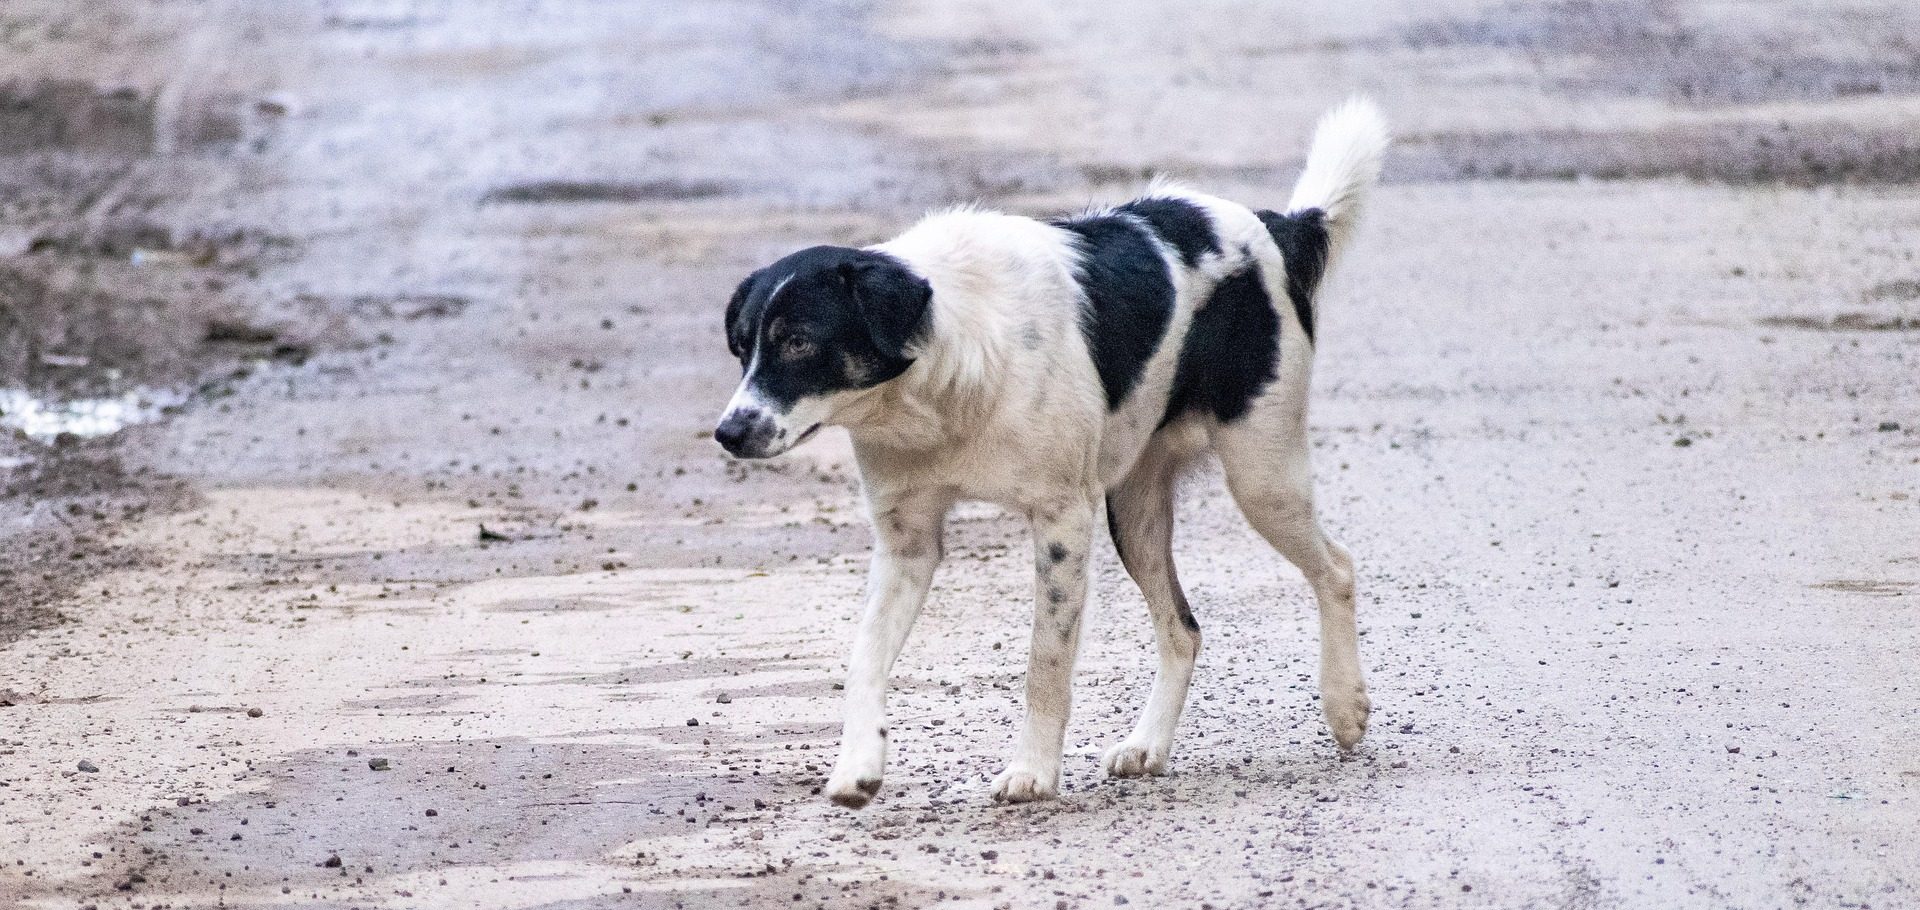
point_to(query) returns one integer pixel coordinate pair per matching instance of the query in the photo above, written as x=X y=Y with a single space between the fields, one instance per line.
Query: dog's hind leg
x=907 y=548
x=1140 y=516
x=1062 y=535
x=1265 y=457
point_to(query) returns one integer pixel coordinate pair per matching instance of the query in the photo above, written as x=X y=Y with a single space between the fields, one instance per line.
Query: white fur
x=1002 y=404
x=1342 y=166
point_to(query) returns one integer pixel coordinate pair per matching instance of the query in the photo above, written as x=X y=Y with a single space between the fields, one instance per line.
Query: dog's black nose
x=734 y=431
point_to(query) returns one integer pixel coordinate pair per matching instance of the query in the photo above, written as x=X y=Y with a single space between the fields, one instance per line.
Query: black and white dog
x=1046 y=366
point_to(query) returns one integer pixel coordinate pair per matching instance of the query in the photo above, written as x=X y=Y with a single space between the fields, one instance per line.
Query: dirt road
x=1615 y=407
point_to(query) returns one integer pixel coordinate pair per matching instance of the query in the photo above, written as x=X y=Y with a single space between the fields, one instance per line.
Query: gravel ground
x=433 y=591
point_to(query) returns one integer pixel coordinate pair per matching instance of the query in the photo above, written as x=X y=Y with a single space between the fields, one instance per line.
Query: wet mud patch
x=1844 y=322
x=1701 y=59
x=358 y=823
x=68 y=505
x=1869 y=587
x=1899 y=289
x=1737 y=153
x=72 y=114
x=69 y=329
x=574 y=191
x=1692 y=55
x=1888 y=307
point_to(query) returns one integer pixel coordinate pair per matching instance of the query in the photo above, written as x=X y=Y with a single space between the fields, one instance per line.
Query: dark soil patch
x=1739 y=153
x=1845 y=322
x=565 y=191
x=1901 y=289
x=1699 y=56
x=1691 y=56
x=78 y=327
x=73 y=115
x=70 y=498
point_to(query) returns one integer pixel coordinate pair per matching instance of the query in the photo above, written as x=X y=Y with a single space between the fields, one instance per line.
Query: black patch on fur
x=1186 y=614
x=1303 y=241
x=1232 y=351
x=1129 y=293
x=1056 y=552
x=1056 y=595
x=831 y=318
x=1184 y=226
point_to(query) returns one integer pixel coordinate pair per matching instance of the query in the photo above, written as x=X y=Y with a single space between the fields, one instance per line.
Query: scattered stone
x=989 y=854
x=723 y=699
x=488 y=536
x=1733 y=750
x=1683 y=442
x=88 y=767
x=255 y=712
x=432 y=812
x=1889 y=426
x=332 y=862
x=379 y=764
x=693 y=722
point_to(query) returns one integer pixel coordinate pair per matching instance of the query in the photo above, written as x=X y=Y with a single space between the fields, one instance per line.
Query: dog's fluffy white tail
x=1342 y=167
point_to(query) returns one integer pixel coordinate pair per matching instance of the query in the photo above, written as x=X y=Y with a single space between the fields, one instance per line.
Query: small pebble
x=723 y=698
x=255 y=712
x=379 y=764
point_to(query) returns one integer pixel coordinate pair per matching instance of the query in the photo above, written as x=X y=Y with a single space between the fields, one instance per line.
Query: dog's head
x=810 y=331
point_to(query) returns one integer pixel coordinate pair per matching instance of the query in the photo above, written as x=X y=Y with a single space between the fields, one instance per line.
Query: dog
x=1056 y=367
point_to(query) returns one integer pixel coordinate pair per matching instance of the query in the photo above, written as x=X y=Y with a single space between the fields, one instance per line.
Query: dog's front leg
x=905 y=552
x=1062 y=535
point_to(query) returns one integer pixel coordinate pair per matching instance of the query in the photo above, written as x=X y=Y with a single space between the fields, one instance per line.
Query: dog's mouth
x=804 y=435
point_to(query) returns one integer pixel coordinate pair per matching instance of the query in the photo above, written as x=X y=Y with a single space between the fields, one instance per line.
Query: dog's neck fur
x=964 y=360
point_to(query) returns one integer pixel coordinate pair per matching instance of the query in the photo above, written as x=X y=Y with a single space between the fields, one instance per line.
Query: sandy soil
x=1615 y=408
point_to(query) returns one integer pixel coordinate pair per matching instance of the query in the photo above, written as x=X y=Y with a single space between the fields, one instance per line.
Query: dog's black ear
x=736 y=334
x=892 y=300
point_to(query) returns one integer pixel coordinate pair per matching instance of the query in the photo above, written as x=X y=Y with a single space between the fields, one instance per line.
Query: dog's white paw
x=1128 y=758
x=1347 y=715
x=1018 y=785
x=852 y=789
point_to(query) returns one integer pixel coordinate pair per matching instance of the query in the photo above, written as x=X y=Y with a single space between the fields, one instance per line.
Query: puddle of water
x=43 y=419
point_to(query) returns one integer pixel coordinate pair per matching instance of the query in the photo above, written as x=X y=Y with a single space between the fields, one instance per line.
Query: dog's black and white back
x=1050 y=367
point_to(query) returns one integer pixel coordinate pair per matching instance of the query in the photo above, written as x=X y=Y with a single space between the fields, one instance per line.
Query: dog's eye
x=794 y=348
